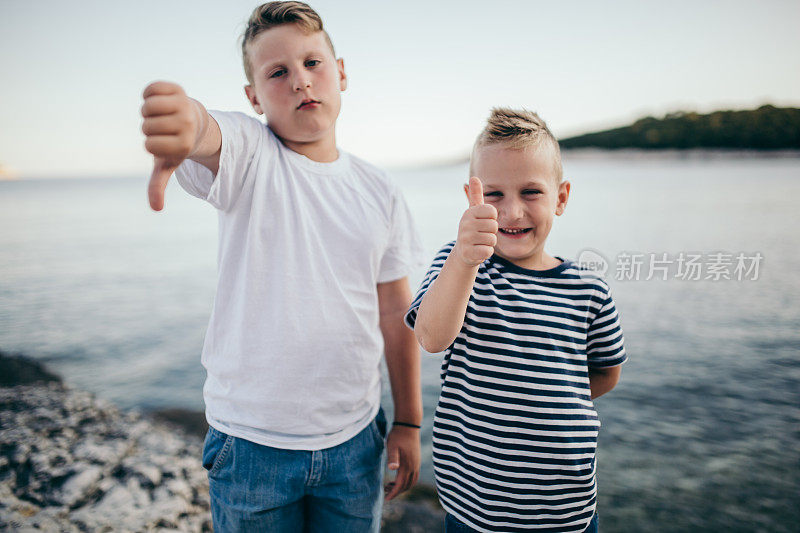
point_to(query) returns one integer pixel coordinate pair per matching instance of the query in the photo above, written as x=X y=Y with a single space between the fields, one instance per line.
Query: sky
x=422 y=76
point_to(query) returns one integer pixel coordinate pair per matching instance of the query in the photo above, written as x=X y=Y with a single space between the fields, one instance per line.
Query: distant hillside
x=765 y=128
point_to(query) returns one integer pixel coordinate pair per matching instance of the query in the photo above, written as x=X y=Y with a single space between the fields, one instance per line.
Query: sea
x=701 y=250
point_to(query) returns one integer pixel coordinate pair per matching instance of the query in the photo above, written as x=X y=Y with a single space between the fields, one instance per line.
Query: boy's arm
x=441 y=312
x=402 y=362
x=605 y=348
x=602 y=380
x=176 y=127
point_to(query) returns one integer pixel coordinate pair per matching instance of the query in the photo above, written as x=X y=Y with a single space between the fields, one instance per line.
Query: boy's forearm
x=208 y=143
x=401 y=351
x=442 y=310
x=402 y=362
x=603 y=380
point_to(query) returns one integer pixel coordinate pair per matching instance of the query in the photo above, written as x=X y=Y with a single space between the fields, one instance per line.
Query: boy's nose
x=301 y=84
x=513 y=210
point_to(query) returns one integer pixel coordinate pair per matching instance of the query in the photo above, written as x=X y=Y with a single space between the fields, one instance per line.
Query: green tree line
x=765 y=128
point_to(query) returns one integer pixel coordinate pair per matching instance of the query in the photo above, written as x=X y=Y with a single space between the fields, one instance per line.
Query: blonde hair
x=274 y=14
x=518 y=129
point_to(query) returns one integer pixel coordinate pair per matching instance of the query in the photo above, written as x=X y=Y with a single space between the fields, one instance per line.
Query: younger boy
x=314 y=248
x=529 y=340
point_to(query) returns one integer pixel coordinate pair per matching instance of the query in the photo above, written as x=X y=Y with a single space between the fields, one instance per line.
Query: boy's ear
x=251 y=95
x=342 y=75
x=563 y=196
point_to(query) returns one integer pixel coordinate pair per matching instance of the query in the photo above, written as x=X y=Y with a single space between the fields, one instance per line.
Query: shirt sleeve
x=604 y=341
x=404 y=249
x=433 y=273
x=243 y=137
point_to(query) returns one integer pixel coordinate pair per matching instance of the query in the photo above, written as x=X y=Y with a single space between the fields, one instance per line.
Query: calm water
x=701 y=434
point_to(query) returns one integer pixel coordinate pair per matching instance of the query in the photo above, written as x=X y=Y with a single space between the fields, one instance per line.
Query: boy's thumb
x=158 y=183
x=475 y=193
x=393 y=459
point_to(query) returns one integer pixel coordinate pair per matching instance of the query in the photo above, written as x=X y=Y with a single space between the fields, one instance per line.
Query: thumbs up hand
x=171 y=126
x=477 y=231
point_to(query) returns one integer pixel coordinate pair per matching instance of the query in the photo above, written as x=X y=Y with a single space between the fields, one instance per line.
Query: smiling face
x=297 y=84
x=522 y=185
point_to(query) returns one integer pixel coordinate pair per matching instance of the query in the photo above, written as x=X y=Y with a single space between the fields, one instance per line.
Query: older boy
x=530 y=339
x=315 y=245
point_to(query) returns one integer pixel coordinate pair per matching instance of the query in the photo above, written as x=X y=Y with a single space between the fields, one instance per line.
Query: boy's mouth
x=308 y=103
x=514 y=232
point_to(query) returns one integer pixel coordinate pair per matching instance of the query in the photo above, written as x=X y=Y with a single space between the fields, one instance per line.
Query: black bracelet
x=406 y=424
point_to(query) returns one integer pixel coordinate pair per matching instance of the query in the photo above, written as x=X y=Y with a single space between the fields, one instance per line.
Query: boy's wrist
x=461 y=261
x=201 y=115
x=405 y=424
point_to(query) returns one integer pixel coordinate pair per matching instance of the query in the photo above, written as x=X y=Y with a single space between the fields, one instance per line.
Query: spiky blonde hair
x=518 y=129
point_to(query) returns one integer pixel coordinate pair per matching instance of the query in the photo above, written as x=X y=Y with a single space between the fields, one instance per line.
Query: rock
x=402 y=516
x=181 y=488
x=18 y=370
x=109 y=451
x=78 y=486
x=147 y=472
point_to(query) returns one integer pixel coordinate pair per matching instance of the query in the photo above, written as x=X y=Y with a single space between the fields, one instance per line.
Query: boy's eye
x=493 y=194
x=278 y=73
x=530 y=192
x=312 y=62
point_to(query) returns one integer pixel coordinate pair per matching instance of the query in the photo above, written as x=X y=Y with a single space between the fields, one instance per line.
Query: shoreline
x=567 y=153
x=667 y=154
x=70 y=461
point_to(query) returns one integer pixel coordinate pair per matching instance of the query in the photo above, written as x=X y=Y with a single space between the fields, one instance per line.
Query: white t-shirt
x=293 y=346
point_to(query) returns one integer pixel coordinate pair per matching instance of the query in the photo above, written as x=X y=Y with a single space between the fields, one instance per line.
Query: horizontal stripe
x=569 y=431
x=478 y=521
x=528 y=315
x=543 y=351
x=511 y=303
x=496 y=457
x=567 y=493
x=539 y=340
x=570 y=366
x=446 y=460
x=511 y=510
x=493 y=382
x=506 y=408
x=522 y=398
x=488 y=375
x=452 y=430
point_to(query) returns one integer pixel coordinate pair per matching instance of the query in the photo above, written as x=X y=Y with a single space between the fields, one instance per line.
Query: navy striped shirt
x=515 y=430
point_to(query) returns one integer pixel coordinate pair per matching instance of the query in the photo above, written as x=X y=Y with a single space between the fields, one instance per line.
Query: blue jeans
x=257 y=488
x=454 y=525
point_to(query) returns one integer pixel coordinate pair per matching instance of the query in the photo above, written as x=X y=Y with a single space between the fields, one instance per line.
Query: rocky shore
x=72 y=462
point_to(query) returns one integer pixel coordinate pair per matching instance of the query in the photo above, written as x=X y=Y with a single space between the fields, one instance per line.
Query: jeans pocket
x=378 y=429
x=216 y=448
x=380 y=423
